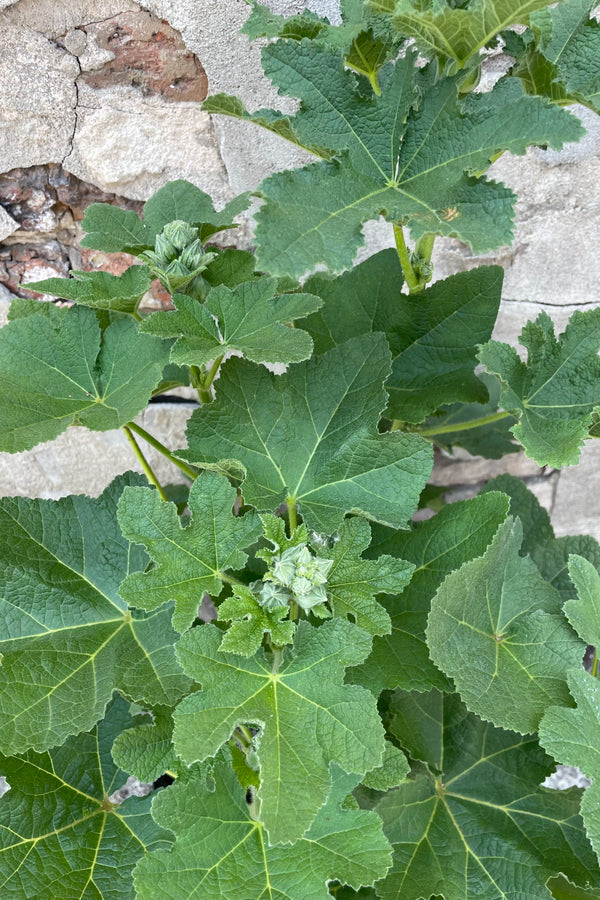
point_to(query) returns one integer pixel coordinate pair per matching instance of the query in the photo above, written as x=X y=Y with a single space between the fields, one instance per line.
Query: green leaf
x=188 y=561
x=571 y=736
x=183 y=201
x=250 y=318
x=454 y=426
x=250 y=621
x=146 y=749
x=392 y=771
x=59 y=835
x=114 y=230
x=311 y=435
x=432 y=335
x=570 y=40
x=307 y=716
x=411 y=164
x=68 y=639
x=57 y=369
x=459 y=32
x=100 y=290
x=353 y=582
x=496 y=628
x=219 y=847
x=459 y=532
x=584 y=613
x=482 y=827
x=230 y=267
x=549 y=553
x=554 y=392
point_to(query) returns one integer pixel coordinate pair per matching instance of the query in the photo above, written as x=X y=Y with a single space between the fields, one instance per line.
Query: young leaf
x=250 y=621
x=146 y=749
x=570 y=41
x=188 y=561
x=554 y=392
x=571 y=736
x=57 y=368
x=100 y=290
x=114 y=230
x=59 y=834
x=459 y=33
x=479 y=825
x=67 y=634
x=219 y=847
x=459 y=532
x=250 y=318
x=496 y=628
x=308 y=717
x=353 y=582
x=409 y=163
x=311 y=435
x=549 y=553
x=432 y=335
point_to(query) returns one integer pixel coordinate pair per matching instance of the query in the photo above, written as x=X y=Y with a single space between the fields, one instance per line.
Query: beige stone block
x=462 y=468
x=8 y=225
x=55 y=17
x=577 y=503
x=132 y=145
x=37 y=87
x=84 y=462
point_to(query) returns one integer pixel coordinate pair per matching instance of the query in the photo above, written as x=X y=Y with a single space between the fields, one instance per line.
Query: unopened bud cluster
x=295 y=575
x=178 y=256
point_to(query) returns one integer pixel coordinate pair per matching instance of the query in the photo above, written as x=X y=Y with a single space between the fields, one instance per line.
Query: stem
x=474 y=423
x=210 y=375
x=162 y=449
x=294 y=611
x=229 y=579
x=595 y=664
x=205 y=395
x=291 y=505
x=246 y=732
x=277 y=658
x=396 y=424
x=144 y=463
x=410 y=276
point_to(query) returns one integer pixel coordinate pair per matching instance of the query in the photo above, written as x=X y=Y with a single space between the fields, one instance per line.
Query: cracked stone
x=37 y=84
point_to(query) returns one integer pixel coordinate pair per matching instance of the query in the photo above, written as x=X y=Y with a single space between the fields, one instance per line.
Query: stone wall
x=100 y=102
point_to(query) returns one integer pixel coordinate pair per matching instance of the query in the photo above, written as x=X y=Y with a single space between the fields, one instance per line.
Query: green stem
x=228 y=579
x=210 y=375
x=291 y=506
x=595 y=664
x=474 y=423
x=410 y=276
x=277 y=658
x=294 y=611
x=162 y=449
x=144 y=463
x=396 y=424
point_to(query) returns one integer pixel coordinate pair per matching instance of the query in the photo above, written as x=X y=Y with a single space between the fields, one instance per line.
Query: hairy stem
x=464 y=426
x=187 y=470
x=410 y=276
x=147 y=468
x=424 y=247
x=291 y=506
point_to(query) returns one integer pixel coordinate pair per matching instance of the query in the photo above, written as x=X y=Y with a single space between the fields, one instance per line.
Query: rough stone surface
x=84 y=462
x=7 y=224
x=37 y=86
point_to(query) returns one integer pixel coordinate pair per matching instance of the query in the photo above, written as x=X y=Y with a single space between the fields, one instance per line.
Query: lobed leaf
x=311 y=435
x=584 y=612
x=189 y=560
x=251 y=318
x=432 y=335
x=60 y=836
x=496 y=629
x=69 y=640
x=99 y=290
x=459 y=532
x=477 y=823
x=219 y=847
x=57 y=368
x=250 y=622
x=571 y=736
x=146 y=748
x=554 y=393
x=407 y=153
x=307 y=717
